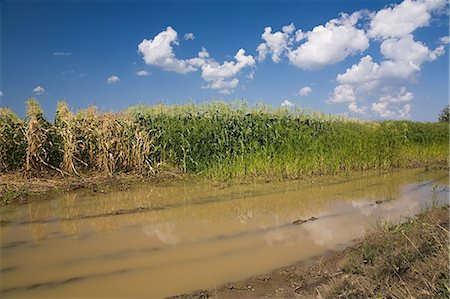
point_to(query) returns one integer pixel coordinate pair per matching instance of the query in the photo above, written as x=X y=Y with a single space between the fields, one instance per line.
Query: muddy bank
x=394 y=261
x=16 y=187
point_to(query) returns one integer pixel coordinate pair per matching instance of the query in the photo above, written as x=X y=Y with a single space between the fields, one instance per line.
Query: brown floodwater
x=162 y=239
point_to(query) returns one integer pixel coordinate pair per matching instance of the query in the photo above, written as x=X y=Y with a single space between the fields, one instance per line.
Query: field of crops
x=218 y=140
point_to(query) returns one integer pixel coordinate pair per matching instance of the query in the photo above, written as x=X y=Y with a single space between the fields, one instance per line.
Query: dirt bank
x=17 y=188
x=395 y=261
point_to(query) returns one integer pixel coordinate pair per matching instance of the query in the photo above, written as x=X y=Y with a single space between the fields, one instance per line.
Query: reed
x=222 y=141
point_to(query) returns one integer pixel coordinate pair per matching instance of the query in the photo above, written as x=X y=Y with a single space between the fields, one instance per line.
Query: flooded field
x=158 y=240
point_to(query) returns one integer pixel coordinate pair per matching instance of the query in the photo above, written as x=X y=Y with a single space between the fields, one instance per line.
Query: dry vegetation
x=399 y=261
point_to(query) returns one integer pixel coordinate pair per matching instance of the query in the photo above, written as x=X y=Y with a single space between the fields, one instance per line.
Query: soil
x=301 y=280
x=17 y=188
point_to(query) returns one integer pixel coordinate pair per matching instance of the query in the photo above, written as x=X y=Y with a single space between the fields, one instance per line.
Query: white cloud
x=329 y=44
x=250 y=75
x=1 y=93
x=404 y=58
x=407 y=49
x=142 y=73
x=287 y=103
x=324 y=45
x=394 y=106
x=62 y=53
x=222 y=76
x=262 y=50
x=403 y=61
x=159 y=52
x=83 y=75
x=344 y=36
x=223 y=85
x=343 y=94
x=112 y=79
x=189 y=36
x=402 y=19
x=288 y=28
x=274 y=43
x=304 y=91
x=367 y=80
x=211 y=70
x=226 y=91
x=445 y=40
x=39 y=90
x=353 y=107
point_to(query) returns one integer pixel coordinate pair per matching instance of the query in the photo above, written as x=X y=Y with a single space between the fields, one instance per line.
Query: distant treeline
x=220 y=140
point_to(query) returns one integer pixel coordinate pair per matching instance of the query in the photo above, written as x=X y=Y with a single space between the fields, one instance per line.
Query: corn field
x=218 y=140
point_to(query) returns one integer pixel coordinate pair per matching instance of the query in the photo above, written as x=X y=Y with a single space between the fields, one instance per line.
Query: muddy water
x=165 y=239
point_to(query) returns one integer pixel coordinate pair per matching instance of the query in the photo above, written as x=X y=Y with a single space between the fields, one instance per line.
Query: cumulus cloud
x=329 y=44
x=404 y=18
x=159 y=52
x=445 y=40
x=189 y=36
x=304 y=91
x=39 y=90
x=324 y=45
x=142 y=73
x=403 y=57
x=345 y=94
x=403 y=60
x=112 y=79
x=287 y=103
x=353 y=107
x=389 y=106
x=363 y=87
x=222 y=76
x=62 y=53
x=274 y=43
x=1 y=93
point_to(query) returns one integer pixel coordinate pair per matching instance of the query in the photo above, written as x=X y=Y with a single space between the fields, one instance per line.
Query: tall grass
x=13 y=144
x=408 y=260
x=220 y=140
x=42 y=142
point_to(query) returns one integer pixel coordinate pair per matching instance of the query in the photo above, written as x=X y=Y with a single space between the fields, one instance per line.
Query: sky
x=369 y=59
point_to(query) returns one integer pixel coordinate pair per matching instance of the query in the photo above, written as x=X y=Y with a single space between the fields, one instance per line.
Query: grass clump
x=408 y=260
x=218 y=140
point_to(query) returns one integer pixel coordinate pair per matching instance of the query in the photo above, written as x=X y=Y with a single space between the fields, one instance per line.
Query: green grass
x=218 y=140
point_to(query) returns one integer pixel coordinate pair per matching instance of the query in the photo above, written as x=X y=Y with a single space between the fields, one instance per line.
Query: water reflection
x=163 y=231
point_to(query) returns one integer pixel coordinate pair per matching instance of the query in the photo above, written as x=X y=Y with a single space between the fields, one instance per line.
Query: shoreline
x=15 y=187
x=365 y=268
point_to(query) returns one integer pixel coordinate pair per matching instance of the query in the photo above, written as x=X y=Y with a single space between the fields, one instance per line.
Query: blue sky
x=379 y=60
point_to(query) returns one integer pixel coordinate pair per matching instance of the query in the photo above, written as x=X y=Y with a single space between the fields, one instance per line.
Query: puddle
x=162 y=240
